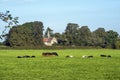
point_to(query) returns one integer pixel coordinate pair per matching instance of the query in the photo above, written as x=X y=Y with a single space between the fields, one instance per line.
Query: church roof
x=47 y=39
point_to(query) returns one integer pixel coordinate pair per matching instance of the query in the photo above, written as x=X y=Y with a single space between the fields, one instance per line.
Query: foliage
x=111 y=38
x=117 y=44
x=82 y=36
x=28 y=34
x=7 y=18
x=59 y=68
x=48 y=32
x=71 y=33
x=31 y=34
x=99 y=37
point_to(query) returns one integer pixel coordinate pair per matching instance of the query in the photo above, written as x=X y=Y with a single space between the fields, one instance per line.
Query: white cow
x=69 y=56
x=87 y=56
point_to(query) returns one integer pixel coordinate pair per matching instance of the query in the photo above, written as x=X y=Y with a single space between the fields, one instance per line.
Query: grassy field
x=60 y=68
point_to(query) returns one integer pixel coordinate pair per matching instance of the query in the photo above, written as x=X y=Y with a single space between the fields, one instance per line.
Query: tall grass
x=60 y=68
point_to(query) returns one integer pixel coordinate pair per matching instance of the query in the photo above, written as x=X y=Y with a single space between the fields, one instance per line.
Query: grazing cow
x=46 y=54
x=105 y=55
x=26 y=56
x=32 y=56
x=86 y=56
x=19 y=56
x=49 y=54
x=69 y=56
x=90 y=56
x=102 y=55
x=55 y=53
x=109 y=56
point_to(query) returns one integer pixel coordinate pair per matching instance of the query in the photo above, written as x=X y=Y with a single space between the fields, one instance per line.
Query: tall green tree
x=98 y=37
x=71 y=33
x=111 y=38
x=84 y=36
x=58 y=35
x=28 y=34
x=117 y=44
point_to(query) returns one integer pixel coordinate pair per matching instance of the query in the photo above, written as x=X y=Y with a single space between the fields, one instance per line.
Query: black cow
x=102 y=55
x=19 y=56
x=90 y=56
x=87 y=56
x=32 y=56
x=69 y=56
x=26 y=56
x=54 y=53
x=109 y=56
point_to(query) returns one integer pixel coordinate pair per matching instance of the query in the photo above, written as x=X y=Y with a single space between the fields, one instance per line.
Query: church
x=49 y=41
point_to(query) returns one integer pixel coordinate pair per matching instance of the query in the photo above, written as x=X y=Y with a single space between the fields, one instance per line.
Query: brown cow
x=49 y=54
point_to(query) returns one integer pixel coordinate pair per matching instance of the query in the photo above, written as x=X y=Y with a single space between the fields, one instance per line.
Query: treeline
x=31 y=35
x=28 y=35
x=82 y=36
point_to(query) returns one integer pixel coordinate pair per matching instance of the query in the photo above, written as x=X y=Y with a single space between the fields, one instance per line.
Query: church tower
x=48 y=34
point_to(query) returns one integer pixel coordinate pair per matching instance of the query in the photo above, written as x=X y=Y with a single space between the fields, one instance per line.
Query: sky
x=56 y=14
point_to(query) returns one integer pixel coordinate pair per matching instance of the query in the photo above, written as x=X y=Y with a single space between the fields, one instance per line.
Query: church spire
x=48 y=34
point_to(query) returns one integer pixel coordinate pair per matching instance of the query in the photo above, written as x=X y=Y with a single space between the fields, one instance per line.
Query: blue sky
x=56 y=14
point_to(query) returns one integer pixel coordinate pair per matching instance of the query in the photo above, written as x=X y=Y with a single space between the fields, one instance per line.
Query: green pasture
x=60 y=68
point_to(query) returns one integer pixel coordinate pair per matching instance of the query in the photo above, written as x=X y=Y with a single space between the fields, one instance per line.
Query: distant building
x=49 y=41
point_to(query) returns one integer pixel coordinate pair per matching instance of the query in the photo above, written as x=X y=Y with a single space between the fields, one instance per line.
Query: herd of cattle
x=48 y=54
x=26 y=56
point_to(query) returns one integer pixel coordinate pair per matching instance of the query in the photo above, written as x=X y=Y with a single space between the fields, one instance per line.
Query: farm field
x=60 y=67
